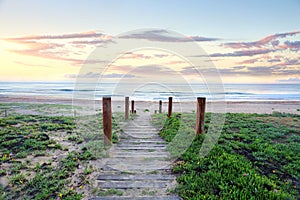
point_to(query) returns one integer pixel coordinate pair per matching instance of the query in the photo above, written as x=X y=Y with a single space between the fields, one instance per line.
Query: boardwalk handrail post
x=160 y=106
x=132 y=106
x=126 y=107
x=200 y=116
x=170 y=106
x=107 y=119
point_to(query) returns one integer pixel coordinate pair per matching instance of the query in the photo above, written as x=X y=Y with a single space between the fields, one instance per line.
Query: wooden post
x=5 y=112
x=132 y=106
x=126 y=107
x=200 y=115
x=170 y=106
x=107 y=120
x=160 y=106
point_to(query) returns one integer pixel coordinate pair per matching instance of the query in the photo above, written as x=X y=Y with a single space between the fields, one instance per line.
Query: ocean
x=231 y=92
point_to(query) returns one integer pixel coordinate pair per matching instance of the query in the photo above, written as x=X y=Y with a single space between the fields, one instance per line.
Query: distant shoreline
x=184 y=106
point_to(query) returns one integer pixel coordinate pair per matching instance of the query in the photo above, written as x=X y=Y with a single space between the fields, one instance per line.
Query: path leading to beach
x=138 y=166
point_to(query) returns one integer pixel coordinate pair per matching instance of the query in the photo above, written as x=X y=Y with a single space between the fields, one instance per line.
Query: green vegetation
x=47 y=157
x=29 y=136
x=256 y=157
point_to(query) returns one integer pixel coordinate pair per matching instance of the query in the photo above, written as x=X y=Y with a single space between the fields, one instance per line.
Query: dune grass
x=47 y=157
x=256 y=157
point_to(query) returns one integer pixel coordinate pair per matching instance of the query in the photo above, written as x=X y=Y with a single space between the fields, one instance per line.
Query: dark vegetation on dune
x=47 y=157
x=256 y=157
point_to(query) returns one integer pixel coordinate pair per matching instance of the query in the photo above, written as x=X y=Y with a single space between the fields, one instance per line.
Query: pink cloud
x=123 y=68
x=262 y=58
x=56 y=47
x=164 y=36
x=161 y=55
x=89 y=34
x=243 y=53
x=271 y=39
x=249 y=61
x=131 y=55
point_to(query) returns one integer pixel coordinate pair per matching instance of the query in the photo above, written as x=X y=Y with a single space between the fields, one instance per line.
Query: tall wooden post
x=107 y=119
x=160 y=107
x=132 y=106
x=126 y=107
x=170 y=106
x=201 y=101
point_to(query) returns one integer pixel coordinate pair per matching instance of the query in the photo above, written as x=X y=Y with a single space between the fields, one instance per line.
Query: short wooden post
x=201 y=101
x=5 y=112
x=132 y=106
x=126 y=107
x=107 y=120
x=170 y=106
x=160 y=107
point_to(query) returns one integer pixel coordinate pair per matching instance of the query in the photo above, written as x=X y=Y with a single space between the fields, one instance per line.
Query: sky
x=250 y=41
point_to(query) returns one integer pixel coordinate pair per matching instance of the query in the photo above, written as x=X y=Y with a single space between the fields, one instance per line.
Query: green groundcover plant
x=40 y=154
x=256 y=157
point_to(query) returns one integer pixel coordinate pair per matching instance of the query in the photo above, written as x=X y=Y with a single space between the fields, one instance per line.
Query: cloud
x=242 y=53
x=239 y=67
x=150 y=68
x=124 y=68
x=244 y=71
x=189 y=70
x=273 y=60
x=92 y=75
x=249 y=61
x=46 y=50
x=202 y=39
x=289 y=80
x=131 y=55
x=265 y=70
x=192 y=70
x=154 y=71
x=87 y=75
x=59 y=47
x=175 y=62
x=165 y=36
x=271 y=39
x=264 y=58
x=115 y=75
x=93 y=42
x=161 y=55
x=288 y=61
x=295 y=46
x=89 y=34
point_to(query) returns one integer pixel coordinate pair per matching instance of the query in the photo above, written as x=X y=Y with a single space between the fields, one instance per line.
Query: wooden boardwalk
x=138 y=165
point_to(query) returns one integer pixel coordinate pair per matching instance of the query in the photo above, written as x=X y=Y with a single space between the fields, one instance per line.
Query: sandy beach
x=259 y=107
